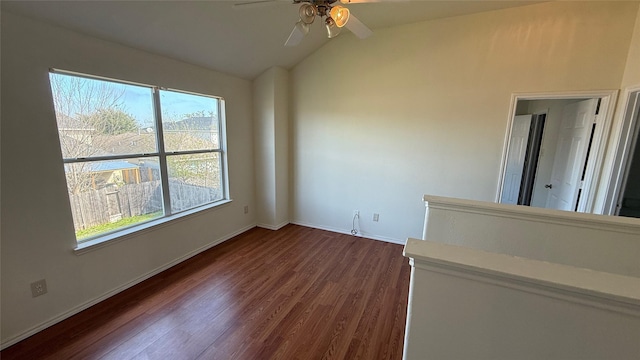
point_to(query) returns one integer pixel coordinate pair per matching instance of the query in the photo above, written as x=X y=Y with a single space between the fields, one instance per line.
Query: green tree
x=112 y=121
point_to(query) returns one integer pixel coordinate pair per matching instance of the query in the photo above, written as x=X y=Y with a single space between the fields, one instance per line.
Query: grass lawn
x=122 y=223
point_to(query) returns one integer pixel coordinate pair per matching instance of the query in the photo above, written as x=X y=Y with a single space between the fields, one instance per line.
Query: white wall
x=271 y=141
x=597 y=242
x=282 y=190
x=264 y=147
x=497 y=281
x=522 y=107
x=461 y=312
x=632 y=70
x=423 y=108
x=37 y=228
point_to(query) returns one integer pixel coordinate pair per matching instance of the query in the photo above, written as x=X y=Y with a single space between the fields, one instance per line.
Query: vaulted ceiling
x=238 y=40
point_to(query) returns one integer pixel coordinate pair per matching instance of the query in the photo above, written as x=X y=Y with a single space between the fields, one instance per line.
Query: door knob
x=549 y=186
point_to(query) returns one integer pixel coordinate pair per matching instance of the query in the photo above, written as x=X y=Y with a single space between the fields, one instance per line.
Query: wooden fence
x=113 y=203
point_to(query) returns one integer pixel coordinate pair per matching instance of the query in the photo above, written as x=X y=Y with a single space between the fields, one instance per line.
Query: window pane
x=102 y=118
x=189 y=122
x=106 y=196
x=194 y=180
x=115 y=169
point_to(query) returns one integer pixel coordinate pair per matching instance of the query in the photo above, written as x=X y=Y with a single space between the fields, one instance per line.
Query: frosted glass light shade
x=340 y=15
x=332 y=29
x=307 y=13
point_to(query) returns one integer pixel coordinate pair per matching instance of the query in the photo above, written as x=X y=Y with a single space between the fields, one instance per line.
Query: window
x=135 y=153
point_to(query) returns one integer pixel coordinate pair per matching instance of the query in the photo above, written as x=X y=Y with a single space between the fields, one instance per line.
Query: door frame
x=624 y=138
x=524 y=156
x=595 y=162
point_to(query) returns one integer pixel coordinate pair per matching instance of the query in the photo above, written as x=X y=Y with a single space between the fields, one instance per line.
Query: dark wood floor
x=296 y=293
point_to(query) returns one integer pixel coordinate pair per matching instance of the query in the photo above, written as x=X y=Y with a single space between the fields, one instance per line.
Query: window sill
x=106 y=240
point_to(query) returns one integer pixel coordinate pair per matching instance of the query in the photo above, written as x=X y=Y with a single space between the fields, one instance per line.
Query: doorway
x=625 y=192
x=554 y=148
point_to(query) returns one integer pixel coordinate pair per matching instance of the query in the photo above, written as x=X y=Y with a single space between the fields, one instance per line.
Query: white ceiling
x=242 y=41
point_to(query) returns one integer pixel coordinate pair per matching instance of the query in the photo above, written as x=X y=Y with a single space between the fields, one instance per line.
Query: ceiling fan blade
x=358 y=28
x=300 y=30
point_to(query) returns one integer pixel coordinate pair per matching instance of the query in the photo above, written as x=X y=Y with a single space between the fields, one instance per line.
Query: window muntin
x=135 y=153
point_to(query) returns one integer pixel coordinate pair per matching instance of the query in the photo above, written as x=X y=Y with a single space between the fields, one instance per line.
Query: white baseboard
x=348 y=232
x=272 y=227
x=119 y=289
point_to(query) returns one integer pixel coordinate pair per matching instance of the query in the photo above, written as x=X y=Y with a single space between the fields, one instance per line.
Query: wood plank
x=295 y=293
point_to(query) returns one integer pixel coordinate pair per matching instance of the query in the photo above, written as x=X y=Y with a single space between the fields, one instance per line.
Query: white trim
x=119 y=81
x=348 y=232
x=622 y=137
x=222 y=137
x=582 y=220
x=407 y=326
x=505 y=146
x=274 y=227
x=124 y=234
x=596 y=158
x=629 y=153
x=119 y=289
x=594 y=288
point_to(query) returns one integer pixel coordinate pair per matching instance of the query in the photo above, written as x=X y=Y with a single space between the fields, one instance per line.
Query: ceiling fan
x=334 y=16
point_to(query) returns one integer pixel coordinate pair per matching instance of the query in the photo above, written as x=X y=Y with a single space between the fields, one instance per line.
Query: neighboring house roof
x=105 y=166
x=187 y=134
x=206 y=123
x=111 y=166
x=72 y=147
x=131 y=143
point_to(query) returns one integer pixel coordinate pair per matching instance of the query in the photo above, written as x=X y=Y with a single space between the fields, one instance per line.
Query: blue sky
x=138 y=100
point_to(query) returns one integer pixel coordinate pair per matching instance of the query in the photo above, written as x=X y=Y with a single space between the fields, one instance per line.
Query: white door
x=571 y=154
x=515 y=159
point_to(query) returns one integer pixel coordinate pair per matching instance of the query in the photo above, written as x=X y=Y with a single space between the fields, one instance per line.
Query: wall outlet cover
x=38 y=288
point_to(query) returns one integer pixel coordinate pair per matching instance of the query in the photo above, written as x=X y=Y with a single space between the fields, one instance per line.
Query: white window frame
x=160 y=153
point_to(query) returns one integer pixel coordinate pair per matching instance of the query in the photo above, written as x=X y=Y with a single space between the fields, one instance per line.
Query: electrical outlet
x=376 y=217
x=356 y=214
x=38 y=288
x=246 y=209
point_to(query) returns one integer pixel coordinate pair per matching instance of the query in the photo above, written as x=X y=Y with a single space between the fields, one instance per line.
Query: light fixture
x=302 y=27
x=332 y=29
x=335 y=17
x=307 y=13
x=340 y=15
